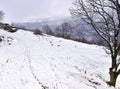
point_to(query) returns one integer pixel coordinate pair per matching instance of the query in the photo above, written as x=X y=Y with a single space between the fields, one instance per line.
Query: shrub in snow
x=37 y=32
x=7 y=27
x=0 y=39
x=83 y=40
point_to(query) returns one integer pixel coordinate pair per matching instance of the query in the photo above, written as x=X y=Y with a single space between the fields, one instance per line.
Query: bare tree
x=47 y=29
x=1 y=15
x=104 y=17
x=64 y=29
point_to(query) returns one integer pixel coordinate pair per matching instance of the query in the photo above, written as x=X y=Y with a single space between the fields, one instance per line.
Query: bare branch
x=118 y=72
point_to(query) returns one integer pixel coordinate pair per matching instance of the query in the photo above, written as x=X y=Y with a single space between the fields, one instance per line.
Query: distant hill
x=66 y=27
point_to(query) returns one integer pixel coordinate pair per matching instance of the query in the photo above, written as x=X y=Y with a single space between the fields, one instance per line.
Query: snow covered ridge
x=46 y=62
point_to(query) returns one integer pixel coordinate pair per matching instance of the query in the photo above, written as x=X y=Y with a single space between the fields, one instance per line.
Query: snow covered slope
x=28 y=61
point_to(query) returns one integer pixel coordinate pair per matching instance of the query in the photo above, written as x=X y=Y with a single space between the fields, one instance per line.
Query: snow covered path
x=28 y=61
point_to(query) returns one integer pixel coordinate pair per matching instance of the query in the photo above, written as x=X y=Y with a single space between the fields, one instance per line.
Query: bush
x=13 y=30
x=1 y=39
x=83 y=40
x=37 y=32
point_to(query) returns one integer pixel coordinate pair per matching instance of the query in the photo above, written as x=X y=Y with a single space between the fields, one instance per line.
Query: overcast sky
x=25 y=10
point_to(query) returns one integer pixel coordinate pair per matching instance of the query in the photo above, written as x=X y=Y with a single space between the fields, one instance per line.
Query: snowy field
x=28 y=61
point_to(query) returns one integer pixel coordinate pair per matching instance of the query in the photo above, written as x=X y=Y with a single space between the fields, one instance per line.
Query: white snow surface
x=29 y=61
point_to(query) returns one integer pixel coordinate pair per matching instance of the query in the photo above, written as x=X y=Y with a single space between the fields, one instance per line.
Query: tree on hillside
x=104 y=17
x=64 y=29
x=1 y=15
x=47 y=29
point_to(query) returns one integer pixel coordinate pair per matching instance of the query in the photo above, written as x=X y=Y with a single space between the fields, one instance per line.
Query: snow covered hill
x=28 y=61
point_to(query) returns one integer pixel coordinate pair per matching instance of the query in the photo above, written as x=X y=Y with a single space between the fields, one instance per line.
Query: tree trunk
x=113 y=78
